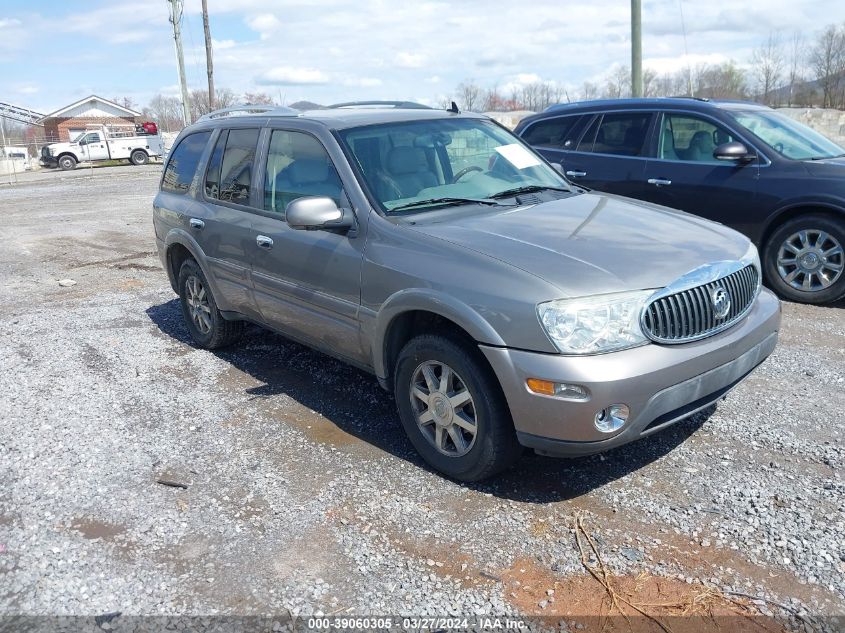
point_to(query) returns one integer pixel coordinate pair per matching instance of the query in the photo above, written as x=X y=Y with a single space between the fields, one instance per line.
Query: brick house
x=68 y=122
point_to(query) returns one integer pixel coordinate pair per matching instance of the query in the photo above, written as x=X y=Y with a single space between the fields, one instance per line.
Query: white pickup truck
x=103 y=143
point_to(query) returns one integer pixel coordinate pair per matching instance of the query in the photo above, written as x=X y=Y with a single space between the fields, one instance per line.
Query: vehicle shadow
x=352 y=400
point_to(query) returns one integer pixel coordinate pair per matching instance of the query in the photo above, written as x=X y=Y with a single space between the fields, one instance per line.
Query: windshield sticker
x=518 y=156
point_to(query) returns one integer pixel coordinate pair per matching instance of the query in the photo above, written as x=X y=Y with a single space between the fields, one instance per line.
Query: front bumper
x=660 y=384
x=50 y=161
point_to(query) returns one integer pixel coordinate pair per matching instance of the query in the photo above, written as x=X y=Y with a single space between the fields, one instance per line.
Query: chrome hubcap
x=443 y=408
x=197 y=300
x=810 y=260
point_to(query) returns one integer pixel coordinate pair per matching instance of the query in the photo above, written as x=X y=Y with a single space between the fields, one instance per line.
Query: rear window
x=183 y=162
x=554 y=132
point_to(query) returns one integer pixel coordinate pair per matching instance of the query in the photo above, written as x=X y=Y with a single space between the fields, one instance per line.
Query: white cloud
x=434 y=79
x=265 y=24
x=362 y=82
x=9 y=22
x=287 y=76
x=26 y=89
x=222 y=45
x=410 y=60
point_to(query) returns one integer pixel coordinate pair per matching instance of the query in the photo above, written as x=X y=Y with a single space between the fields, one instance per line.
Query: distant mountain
x=306 y=105
x=806 y=93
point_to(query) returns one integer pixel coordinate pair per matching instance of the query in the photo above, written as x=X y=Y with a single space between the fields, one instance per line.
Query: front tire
x=804 y=259
x=453 y=410
x=139 y=157
x=66 y=163
x=207 y=326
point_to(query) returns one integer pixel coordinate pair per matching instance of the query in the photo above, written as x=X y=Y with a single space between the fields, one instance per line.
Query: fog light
x=612 y=418
x=558 y=389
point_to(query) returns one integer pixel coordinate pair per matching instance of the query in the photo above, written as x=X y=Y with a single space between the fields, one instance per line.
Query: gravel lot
x=303 y=494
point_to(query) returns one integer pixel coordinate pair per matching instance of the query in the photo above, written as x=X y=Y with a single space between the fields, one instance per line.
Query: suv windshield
x=786 y=136
x=425 y=164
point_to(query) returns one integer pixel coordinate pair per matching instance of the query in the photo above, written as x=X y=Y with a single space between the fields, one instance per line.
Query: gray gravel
x=302 y=493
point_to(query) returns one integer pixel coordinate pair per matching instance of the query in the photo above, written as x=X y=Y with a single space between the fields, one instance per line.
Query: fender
x=826 y=202
x=429 y=300
x=183 y=238
x=67 y=153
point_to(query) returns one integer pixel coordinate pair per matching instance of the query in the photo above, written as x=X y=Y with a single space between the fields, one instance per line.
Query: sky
x=55 y=52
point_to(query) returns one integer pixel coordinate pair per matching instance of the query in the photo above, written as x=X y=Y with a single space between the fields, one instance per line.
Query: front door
x=611 y=153
x=93 y=147
x=307 y=283
x=686 y=176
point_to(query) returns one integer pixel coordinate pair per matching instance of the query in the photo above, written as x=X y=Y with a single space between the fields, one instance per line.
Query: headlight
x=591 y=325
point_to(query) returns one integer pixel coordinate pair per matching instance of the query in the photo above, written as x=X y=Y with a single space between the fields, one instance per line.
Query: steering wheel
x=464 y=172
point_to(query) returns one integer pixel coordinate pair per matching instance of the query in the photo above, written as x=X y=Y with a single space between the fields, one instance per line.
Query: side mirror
x=83 y=141
x=734 y=151
x=313 y=213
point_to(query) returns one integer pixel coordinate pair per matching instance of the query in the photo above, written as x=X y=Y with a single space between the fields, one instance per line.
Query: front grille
x=45 y=152
x=690 y=314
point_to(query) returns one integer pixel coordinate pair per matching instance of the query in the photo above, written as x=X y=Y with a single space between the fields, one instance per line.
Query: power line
x=686 y=50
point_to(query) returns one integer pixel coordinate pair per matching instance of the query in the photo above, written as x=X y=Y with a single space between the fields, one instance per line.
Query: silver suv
x=503 y=306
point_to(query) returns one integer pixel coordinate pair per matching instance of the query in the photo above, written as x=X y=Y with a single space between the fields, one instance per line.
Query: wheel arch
x=796 y=210
x=67 y=153
x=412 y=312
x=180 y=246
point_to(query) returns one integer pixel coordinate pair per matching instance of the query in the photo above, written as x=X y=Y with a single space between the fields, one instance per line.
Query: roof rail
x=398 y=105
x=247 y=110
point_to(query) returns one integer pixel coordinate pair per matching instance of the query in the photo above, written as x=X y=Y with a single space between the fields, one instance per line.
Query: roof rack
x=247 y=110
x=397 y=105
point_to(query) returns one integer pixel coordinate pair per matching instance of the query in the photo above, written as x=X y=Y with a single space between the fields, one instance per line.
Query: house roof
x=91 y=98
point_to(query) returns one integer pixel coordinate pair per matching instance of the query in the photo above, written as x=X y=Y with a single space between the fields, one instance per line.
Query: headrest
x=405 y=160
x=308 y=170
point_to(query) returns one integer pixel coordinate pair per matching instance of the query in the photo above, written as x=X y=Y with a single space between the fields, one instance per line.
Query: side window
x=589 y=138
x=235 y=176
x=689 y=138
x=94 y=137
x=554 y=132
x=623 y=134
x=298 y=165
x=212 y=174
x=183 y=162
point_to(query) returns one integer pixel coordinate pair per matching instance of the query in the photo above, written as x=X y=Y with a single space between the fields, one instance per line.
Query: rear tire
x=139 y=157
x=207 y=326
x=804 y=259
x=66 y=163
x=482 y=442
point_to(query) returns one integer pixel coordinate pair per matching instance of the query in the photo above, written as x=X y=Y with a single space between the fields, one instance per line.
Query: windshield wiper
x=527 y=189
x=826 y=157
x=444 y=201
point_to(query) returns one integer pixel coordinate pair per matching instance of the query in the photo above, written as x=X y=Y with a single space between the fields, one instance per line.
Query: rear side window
x=235 y=168
x=554 y=132
x=623 y=134
x=183 y=162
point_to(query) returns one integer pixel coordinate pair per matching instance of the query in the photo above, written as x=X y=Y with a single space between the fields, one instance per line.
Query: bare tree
x=258 y=98
x=223 y=98
x=126 y=102
x=589 y=91
x=768 y=65
x=827 y=62
x=166 y=111
x=618 y=83
x=796 y=54
x=469 y=95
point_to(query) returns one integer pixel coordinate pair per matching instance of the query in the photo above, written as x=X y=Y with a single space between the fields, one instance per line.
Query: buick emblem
x=720 y=299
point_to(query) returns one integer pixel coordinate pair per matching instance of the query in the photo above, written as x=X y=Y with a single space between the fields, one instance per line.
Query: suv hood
x=594 y=243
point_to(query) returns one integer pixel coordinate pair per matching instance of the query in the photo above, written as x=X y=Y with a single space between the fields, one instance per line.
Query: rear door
x=611 y=154
x=684 y=174
x=222 y=225
x=307 y=283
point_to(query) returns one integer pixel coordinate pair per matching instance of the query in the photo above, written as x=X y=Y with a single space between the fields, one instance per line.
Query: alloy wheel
x=197 y=300
x=443 y=408
x=810 y=260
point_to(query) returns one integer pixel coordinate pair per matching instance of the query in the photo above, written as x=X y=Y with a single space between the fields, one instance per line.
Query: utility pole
x=636 y=48
x=209 y=64
x=175 y=20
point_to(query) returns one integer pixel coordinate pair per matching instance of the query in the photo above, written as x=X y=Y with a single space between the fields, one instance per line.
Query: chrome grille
x=690 y=314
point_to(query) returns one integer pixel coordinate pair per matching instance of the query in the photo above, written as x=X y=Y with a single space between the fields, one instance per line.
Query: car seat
x=409 y=172
x=701 y=147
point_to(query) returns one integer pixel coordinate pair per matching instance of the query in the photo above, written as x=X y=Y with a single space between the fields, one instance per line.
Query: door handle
x=264 y=242
x=196 y=224
x=576 y=174
x=660 y=182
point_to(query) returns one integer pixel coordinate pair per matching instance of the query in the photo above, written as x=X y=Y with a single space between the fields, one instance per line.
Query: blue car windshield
x=786 y=136
x=422 y=165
